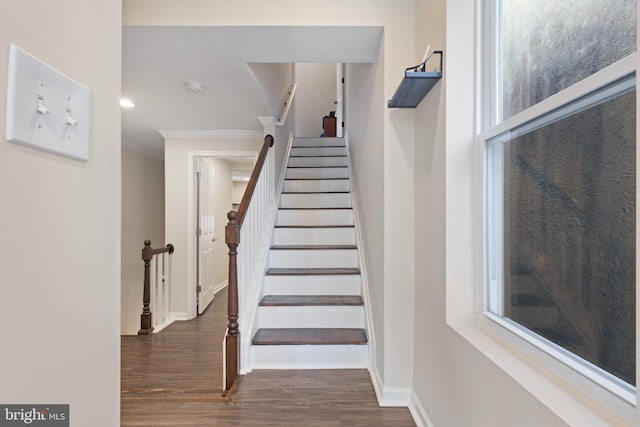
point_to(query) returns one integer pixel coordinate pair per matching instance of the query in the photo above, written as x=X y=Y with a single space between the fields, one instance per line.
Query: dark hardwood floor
x=174 y=378
x=182 y=361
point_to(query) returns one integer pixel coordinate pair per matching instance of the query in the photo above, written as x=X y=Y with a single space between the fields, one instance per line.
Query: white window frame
x=566 y=102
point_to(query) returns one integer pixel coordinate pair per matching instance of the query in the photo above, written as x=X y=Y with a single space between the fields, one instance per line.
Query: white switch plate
x=46 y=109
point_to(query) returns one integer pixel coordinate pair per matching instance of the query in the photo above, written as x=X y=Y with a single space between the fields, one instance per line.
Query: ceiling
x=233 y=63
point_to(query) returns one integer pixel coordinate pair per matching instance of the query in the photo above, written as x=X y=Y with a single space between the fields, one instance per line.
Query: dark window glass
x=548 y=45
x=569 y=233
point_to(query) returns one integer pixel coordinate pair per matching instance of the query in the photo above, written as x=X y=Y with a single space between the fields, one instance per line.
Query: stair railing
x=250 y=220
x=159 y=275
x=287 y=104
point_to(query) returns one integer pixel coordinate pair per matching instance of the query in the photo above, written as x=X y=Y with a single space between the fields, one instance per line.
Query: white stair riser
x=317 y=161
x=315 y=217
x=309 y=356
x=314 y=142
x=319 y=200
x=318 y=151
x=314 y=236
x=311 y=317
x=313 y=285
x=313 y=258
x=339 y=172
x=316 y=185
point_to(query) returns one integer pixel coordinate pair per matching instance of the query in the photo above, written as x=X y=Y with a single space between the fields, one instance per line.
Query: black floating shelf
x=415 y=85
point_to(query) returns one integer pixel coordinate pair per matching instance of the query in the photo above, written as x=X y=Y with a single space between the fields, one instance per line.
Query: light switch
x=46 y=109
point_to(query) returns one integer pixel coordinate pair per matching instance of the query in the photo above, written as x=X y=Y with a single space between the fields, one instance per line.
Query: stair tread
x=311 y=271
x=314 y=209
x=316 y=226
x=311 y=300
x=314 y=167
x=316 y=179
x=310 y=336
x=316 y=192
x=297 y=247
x=316 y=155
x=317 y=146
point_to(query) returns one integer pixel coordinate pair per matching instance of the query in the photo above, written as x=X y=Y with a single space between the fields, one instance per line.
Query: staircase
x=311 y=315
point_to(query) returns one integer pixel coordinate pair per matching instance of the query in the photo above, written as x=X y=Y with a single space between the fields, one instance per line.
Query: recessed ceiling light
x=194 y=86
x=126 y=103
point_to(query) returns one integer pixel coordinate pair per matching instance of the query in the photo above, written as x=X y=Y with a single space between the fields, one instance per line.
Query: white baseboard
x=220 y=286
x=176 y=315
x=389 y=396
x=170 y=319
x=418 y=412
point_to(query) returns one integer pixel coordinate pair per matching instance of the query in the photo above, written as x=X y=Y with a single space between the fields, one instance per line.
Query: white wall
x=274 y=80
x=364 y=90
x=178 y=184
x=237 y=191
x=142 y=218
x=315 y=96
x=60 y=228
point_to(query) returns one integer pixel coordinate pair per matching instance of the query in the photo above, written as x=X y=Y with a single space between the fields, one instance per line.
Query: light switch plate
x=46 y=109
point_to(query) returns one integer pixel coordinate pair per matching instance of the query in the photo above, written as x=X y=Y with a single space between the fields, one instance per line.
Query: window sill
x=571 y=396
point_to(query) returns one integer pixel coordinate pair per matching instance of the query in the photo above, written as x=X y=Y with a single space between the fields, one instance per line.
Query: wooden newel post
x=145 y=317
x=232 y=343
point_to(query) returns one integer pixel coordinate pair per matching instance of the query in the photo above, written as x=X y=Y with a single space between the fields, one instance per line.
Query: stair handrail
x=232 y=239
x=287 y=104
x=148 y=253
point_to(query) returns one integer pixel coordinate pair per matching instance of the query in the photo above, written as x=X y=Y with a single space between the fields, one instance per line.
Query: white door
x=205 y=227
x=339 y=100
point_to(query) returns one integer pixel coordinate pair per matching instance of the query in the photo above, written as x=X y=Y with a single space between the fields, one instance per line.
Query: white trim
x=605 y=84
x=220 y=286
x=211 y=134
x=178 y=316
x=245 y=358
x=597 y=90
x=172 y=317
x=268 y=125
x=594 y=82
x=569 y=395
x=364 y=283
x=376 y=380
x=160 y=327
x=590 y=371
x=389 y=396
x=283 y=171
x=418 y=412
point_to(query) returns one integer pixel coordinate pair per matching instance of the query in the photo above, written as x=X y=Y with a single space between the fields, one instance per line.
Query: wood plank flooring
x=184 y=360
x=180 y=386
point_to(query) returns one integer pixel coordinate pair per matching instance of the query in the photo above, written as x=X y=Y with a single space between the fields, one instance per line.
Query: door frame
x=340 y=94
x=192 y=157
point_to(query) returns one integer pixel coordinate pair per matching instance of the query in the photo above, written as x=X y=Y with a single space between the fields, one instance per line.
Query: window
x=560 y=143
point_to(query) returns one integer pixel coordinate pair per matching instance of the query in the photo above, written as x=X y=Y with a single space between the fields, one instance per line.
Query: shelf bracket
x=415 y=85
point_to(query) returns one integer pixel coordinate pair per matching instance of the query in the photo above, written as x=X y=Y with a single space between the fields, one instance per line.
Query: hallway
x=177 y=385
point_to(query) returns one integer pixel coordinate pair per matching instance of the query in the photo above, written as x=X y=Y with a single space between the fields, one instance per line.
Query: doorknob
x=215 y=240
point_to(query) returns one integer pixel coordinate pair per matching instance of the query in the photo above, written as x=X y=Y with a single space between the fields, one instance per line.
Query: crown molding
x=211 y=134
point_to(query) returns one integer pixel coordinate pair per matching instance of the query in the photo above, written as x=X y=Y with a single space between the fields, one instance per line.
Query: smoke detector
x=194 y=86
